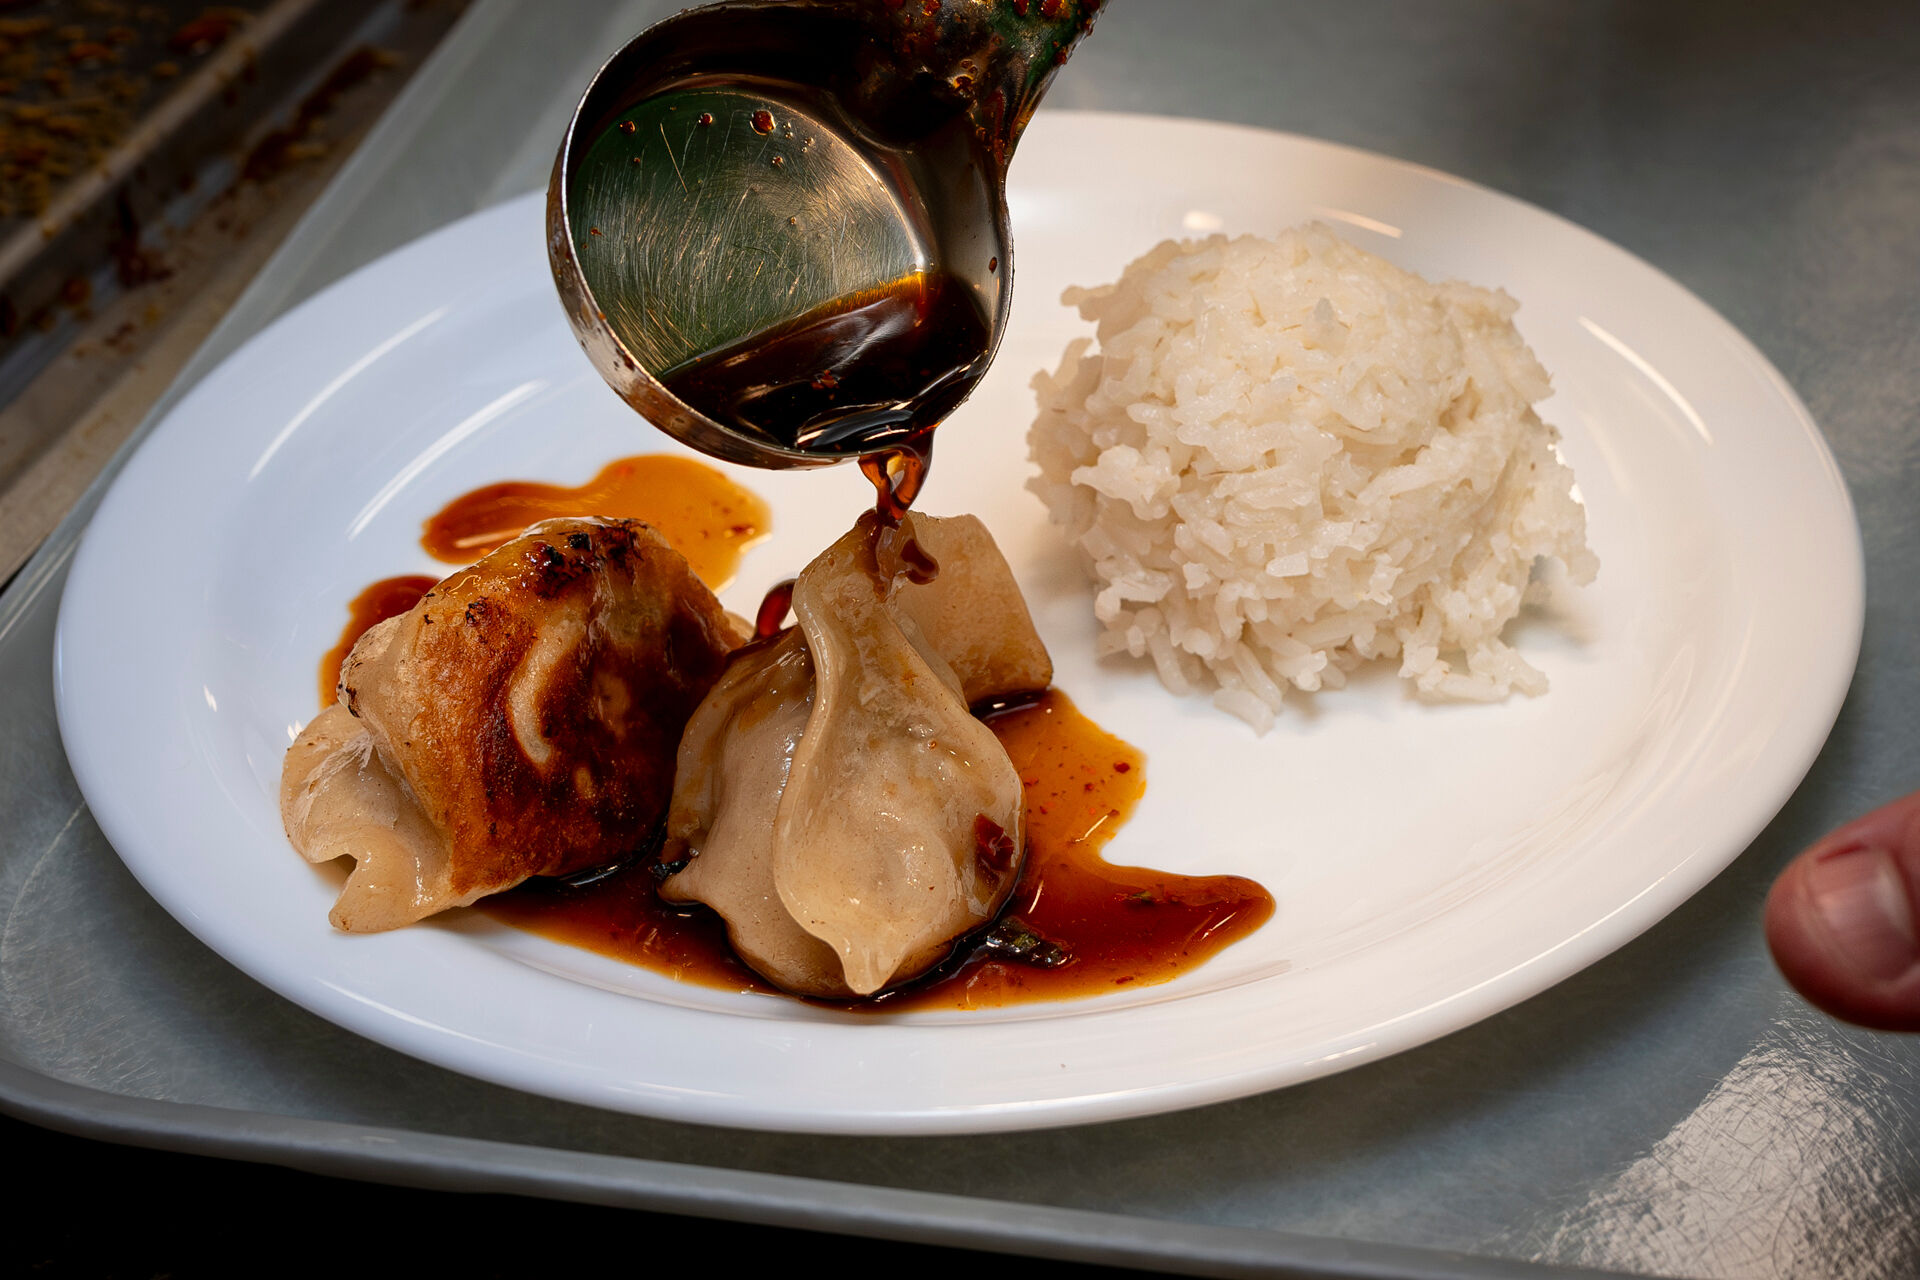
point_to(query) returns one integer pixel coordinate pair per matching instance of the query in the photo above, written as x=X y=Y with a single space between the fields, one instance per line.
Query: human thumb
x=1843 y=920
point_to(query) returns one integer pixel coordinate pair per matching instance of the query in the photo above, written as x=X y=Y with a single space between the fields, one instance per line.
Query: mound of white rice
x=1290 y=456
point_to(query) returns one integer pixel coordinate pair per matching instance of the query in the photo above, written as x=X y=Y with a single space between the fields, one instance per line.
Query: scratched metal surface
x=1672 y=1110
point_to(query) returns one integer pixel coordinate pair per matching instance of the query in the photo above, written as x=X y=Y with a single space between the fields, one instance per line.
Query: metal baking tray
x=124 y=121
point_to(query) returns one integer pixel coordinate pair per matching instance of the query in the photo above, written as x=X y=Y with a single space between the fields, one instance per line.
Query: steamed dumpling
x=521 y=720
x=836 y=801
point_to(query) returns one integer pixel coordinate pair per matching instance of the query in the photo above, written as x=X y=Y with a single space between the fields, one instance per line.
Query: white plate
x=1432 y=865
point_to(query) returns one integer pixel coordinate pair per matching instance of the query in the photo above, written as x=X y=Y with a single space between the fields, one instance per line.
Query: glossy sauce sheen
x=1121 y=926
x=863 y=374
x=1118 y=926
x=774 y=608
x=704 y=515
x=898 y=474
x=387 y=598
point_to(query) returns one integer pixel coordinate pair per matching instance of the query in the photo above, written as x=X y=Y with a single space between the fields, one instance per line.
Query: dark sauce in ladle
x=865 y=373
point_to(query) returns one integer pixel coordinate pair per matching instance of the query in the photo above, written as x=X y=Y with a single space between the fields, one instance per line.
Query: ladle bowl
x=779 y=227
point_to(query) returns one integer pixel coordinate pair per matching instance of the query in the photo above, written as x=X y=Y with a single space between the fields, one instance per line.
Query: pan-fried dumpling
x=521 y=720
x=836 y=801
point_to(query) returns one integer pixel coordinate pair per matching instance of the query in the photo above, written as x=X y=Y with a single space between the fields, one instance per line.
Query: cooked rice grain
x=1289 y=456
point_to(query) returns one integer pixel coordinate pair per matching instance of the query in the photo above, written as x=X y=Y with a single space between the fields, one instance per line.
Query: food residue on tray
x=72 y=85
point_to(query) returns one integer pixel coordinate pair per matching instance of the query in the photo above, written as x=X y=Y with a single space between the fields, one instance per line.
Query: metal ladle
x=779 y=227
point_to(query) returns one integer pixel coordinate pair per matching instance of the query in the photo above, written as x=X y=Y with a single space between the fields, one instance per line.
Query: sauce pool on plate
x=1098 y=927
x=705 y=516
x=387 y=598
x=1076 y=925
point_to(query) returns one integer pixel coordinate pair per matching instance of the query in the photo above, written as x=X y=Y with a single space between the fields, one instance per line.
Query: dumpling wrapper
x=836 y=800
x=521 y=720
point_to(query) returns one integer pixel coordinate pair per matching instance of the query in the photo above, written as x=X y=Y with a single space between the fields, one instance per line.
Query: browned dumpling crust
x=521 y=720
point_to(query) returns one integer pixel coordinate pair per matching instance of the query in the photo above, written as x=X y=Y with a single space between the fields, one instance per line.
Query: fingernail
x=1863 y=902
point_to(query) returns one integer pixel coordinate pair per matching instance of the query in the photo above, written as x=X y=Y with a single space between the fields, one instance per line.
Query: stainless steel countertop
x=1674 y=1109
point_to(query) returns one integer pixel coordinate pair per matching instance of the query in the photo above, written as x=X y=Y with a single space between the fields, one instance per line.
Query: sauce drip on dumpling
x=833 y=789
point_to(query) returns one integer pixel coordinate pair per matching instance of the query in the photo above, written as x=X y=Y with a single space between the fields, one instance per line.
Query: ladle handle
x=992 y=60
